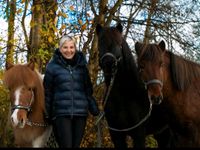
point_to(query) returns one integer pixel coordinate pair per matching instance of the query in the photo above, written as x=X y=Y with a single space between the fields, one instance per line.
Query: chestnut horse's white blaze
x=22 y=101
x=28 y=107
x=14 y=118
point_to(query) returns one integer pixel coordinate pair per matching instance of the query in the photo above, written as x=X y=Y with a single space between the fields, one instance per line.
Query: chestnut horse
x=174 y=82
x=127 y=107
x=27 y=104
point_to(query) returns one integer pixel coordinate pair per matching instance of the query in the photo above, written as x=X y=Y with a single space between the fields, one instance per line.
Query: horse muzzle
x=18 y=119
x=154 y=88
x=156 y=99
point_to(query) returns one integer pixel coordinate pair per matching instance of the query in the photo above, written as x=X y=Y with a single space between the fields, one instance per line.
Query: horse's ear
x=162 y=45
x=9 y=65
x=138 y=46
x=98 y=29
x=31 y=65
x=119 y=27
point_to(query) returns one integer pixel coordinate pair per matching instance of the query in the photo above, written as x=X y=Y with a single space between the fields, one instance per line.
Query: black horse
x=128 y=110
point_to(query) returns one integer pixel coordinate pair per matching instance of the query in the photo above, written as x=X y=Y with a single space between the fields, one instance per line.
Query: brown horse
x=27 y=101
x=173 y=82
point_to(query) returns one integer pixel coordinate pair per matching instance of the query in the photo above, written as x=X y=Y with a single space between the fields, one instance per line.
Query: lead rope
x=31 y=123
x=103 y=113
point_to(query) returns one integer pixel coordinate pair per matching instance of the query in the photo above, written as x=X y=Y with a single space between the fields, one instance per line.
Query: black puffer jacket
x=68 y=88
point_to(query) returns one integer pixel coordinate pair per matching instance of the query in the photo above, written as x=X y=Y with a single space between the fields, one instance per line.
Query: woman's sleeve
x=93 y=107
x=48 y=89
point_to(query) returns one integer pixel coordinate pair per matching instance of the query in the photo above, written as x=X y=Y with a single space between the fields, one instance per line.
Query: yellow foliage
x=19 y=11
x=6 y=134
x=83 y=27
x=50 y=39
x=80 y=22
x=32 y=23
x=62 y=14
x=38 y=8
x=23 y=1
x=151 y=142
x=71 y=7
x=63 y=27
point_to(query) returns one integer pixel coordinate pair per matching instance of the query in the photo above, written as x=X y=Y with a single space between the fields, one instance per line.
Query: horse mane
x=129 y=60
x=150 y=52
x=20 y=75
x=183 y=71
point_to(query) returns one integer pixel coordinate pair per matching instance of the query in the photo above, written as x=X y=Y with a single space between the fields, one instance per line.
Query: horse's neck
x=127 y=71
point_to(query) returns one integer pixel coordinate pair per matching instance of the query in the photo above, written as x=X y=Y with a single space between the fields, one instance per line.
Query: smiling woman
x=68 y=93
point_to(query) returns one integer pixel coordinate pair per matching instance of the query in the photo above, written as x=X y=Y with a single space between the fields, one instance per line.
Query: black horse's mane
x=129 y=61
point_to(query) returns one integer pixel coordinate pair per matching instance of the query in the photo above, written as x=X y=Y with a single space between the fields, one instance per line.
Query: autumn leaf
x=19 y=11
x=71 y=7
x=83 y=27
x=63 y=26
x=23 y=1
x=50 y=39
x=80 y=22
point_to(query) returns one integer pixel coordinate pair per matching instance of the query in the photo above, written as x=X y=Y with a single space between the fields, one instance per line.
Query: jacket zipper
x=71 y=73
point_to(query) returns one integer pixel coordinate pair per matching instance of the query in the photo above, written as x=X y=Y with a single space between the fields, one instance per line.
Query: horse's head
x=110 y=47
x=151 y=68
x=20 y=81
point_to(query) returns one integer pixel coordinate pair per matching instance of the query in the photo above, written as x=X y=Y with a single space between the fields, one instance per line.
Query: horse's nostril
x=160 y=97
x=153 y=97
x=21 y=121
x=157 y=99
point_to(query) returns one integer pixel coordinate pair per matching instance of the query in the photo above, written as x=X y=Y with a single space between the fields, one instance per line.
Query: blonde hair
x=66 y=38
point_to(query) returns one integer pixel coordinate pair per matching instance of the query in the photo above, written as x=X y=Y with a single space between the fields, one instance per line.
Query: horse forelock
x=183 y=71
x=110 y=35
x=150 y=52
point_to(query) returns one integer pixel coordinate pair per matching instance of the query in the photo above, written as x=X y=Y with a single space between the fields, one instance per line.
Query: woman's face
x=68 y=49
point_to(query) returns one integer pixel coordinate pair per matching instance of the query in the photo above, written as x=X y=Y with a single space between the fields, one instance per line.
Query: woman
x=68 y=93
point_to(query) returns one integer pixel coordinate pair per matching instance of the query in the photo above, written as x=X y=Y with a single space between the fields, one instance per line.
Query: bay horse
x=126 y=106
x=174 y=82
x=27 y=104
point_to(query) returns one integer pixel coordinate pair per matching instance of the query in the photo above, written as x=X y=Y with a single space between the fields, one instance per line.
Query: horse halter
x=28 y=107
x=116 y=61
x=153 y=81
x=107 y=94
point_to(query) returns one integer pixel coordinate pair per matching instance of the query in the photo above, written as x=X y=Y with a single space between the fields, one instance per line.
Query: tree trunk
x=11 y=10
x=147 y=34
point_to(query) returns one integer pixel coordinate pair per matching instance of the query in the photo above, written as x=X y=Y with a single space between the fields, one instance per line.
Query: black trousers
x=69 y=131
